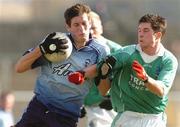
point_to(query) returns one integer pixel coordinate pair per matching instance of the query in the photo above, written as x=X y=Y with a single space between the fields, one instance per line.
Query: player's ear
x=158 y=35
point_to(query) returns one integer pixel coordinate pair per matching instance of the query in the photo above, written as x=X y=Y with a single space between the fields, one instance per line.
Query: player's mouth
x=82 y=35
x=140 y=41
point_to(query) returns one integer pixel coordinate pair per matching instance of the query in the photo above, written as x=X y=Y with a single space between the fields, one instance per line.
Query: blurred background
x=24 y=23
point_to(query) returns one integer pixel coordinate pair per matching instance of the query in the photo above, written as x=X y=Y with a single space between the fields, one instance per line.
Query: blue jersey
x=52 y=86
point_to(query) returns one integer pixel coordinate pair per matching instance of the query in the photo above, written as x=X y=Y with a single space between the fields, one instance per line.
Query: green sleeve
x=113 y=46
x=121 y=57
x=168 y=73
x=93 y=97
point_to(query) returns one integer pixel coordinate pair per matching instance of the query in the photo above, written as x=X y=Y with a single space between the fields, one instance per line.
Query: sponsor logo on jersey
x=62 y=69
x=137 y=83
x=87 y=62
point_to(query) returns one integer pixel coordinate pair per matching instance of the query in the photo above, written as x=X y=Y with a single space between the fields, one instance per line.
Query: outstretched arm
x=101 y=70
x=103 y=85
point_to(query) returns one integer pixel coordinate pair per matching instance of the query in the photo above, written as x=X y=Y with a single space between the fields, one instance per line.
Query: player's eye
x=146 y=30
x=76 y=24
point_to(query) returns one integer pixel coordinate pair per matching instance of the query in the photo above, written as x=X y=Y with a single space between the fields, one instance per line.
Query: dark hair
x=74 y=11
x=157 y=22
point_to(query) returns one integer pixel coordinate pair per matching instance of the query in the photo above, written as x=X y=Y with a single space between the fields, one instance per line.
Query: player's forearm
x=155 y=87
x=27 y=60
x=104 y=86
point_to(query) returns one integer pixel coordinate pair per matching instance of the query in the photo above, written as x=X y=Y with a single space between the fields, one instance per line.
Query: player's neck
x=80 y=43
x=153 y=50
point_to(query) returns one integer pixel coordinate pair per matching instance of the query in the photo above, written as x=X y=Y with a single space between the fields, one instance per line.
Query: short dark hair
x=74 y=11
x=158 y=23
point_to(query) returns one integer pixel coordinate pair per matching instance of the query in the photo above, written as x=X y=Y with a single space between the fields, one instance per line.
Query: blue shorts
x=37 y=115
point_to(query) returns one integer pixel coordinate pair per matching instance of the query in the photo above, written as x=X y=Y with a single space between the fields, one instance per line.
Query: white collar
x=147 y=58
x=160 y=53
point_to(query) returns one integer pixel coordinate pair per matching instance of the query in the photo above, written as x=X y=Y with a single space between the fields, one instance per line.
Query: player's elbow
x=19 y=69
x=161 y=93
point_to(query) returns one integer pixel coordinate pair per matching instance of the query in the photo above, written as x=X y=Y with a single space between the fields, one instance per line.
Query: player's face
x=146 y=36
x=80 y=28
x=96 y=28
x=9 y=102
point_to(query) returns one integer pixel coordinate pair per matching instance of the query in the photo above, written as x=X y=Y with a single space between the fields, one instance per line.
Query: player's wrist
x=146 y=79
x=82 y=72
x=42 y=50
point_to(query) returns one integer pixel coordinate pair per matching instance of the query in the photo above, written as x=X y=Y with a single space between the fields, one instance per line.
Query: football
x=59 y=56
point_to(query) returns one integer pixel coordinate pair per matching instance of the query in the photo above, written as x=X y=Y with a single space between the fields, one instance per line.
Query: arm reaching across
x=105 y=66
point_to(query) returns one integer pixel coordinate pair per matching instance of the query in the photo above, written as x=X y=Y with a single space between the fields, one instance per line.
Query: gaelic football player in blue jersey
x=57 y=101
x=143 y=76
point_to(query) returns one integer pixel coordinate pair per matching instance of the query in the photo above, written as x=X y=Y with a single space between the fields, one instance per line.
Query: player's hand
x=139 y=69
x=106 y=67
x=106 y=103
x=53 y=43
x=77 y=77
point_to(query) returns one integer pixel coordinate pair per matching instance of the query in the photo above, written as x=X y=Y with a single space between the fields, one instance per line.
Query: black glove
x=106 y=103
x=83 y=112
x=110 y=61
x=51 y=44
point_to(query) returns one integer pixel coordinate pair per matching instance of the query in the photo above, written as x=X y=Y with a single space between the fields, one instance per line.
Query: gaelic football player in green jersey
x=143 y=76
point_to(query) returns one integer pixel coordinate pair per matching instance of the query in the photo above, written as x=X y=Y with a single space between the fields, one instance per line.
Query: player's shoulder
x=130 y=49
x=99 y=46
x=169 y=56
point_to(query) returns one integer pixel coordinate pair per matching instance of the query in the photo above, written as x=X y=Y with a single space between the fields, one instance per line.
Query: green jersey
x=94 y=97
x=128 y=93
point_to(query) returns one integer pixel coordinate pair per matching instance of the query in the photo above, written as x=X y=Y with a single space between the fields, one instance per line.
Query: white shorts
x=97 y=117
x=135 y=119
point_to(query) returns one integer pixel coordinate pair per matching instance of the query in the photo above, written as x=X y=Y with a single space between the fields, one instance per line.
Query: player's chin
x=84 y=38
x=142 y=44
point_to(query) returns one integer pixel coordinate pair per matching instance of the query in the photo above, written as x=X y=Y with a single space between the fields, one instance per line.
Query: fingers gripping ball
x=56 y=47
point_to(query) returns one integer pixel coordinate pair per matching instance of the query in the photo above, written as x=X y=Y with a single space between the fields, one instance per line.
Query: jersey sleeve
x=104 y=52
x=121 y=57
x=113 y=46
x=93 y=97
x=168 y=72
